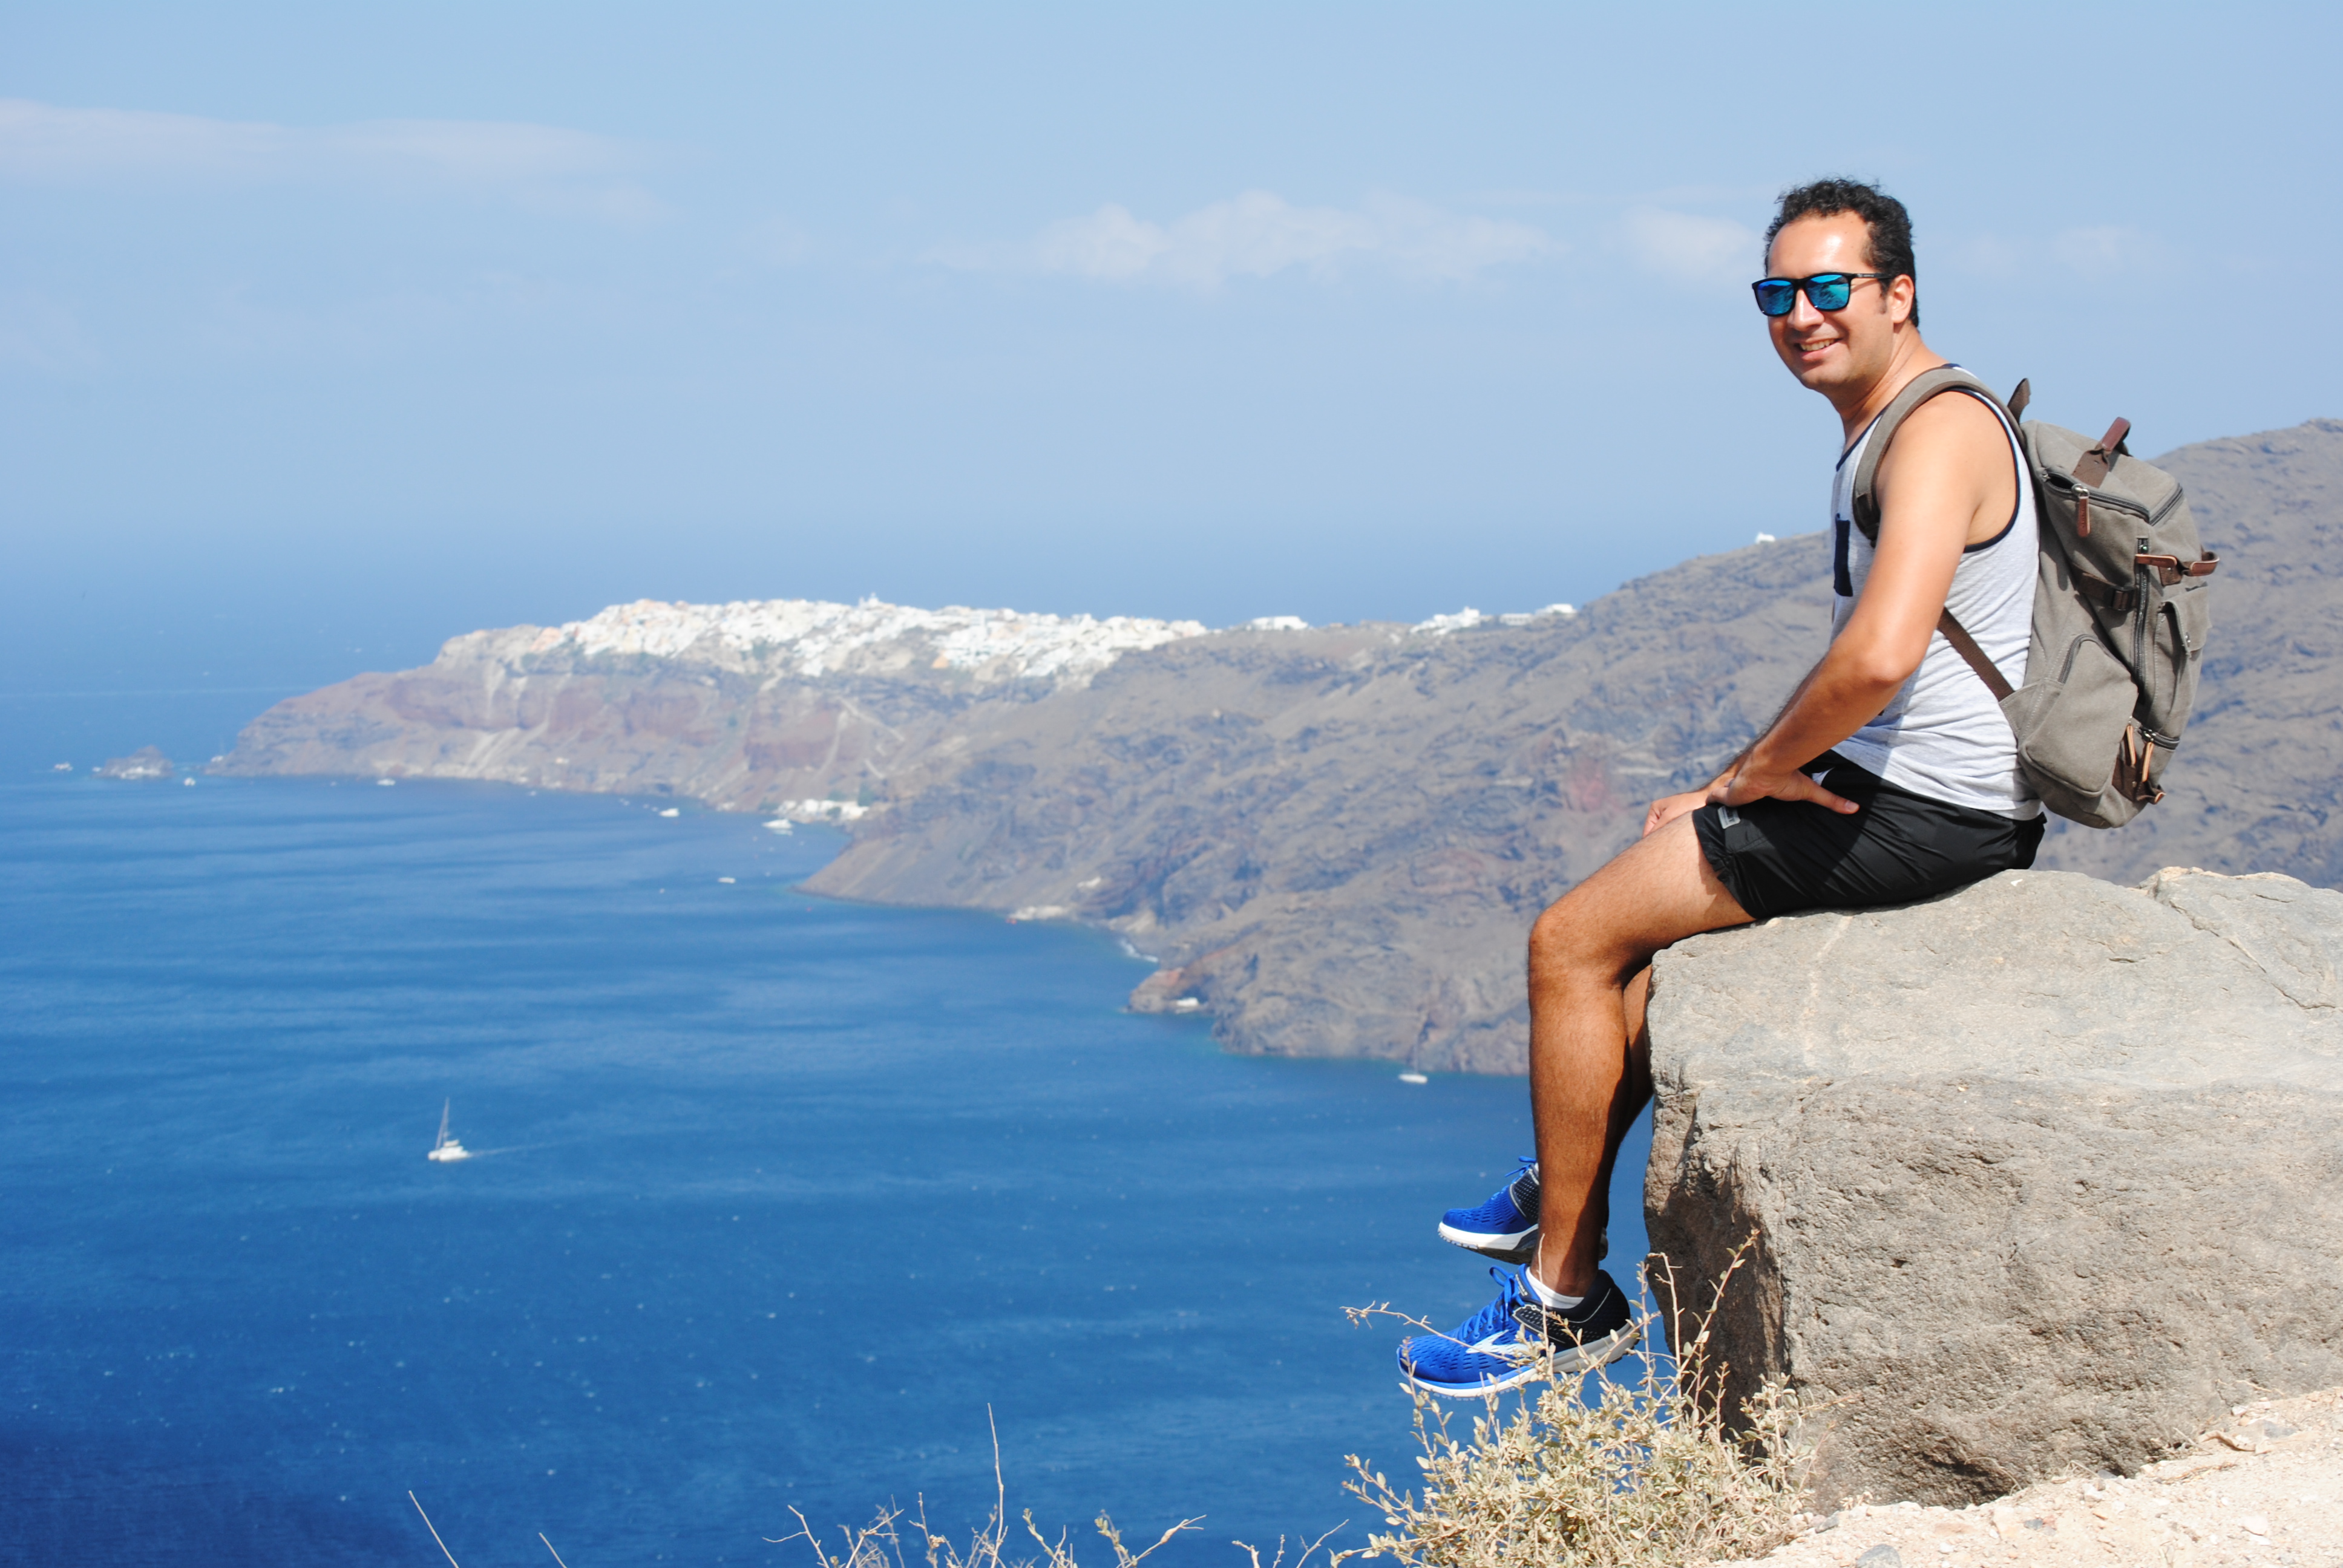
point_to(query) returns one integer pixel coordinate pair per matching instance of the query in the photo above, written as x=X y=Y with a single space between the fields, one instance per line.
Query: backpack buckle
x=2170 y=569
x=2113 y=600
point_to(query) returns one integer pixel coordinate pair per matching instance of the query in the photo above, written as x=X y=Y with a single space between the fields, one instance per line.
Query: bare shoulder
x=1951 y=461
x=1950 y=431
x=1950 y=425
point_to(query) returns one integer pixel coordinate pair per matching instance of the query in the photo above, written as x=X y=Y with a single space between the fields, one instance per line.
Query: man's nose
x=1802 y=313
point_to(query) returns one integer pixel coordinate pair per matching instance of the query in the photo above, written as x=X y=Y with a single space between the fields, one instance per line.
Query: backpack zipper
x=2105 y=499
x=2074 y=648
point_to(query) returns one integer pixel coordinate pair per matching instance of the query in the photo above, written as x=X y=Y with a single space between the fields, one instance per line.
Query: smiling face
x=1841 y=354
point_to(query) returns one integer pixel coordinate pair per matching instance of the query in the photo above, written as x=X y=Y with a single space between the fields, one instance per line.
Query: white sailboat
x=447 y=1149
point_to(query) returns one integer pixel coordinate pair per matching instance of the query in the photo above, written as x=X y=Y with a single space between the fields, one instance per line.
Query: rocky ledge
x=2040 y=1178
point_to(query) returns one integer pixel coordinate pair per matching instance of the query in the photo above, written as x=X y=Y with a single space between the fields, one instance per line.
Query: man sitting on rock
x=1889 y=776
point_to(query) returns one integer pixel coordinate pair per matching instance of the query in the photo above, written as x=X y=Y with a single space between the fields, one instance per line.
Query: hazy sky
x=370 y=324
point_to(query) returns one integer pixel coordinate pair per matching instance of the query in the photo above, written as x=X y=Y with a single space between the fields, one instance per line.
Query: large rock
x=2043 y=1175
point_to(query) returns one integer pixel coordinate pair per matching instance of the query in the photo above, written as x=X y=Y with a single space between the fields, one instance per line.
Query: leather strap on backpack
x=2134 y=758
x=1967 y=647
x=2094 y=466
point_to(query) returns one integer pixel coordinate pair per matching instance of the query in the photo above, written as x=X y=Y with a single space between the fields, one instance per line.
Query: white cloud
x=1260 y=234
x=1109 y=243
x=2108 y=251
x=1692 y=249
x=547 y=168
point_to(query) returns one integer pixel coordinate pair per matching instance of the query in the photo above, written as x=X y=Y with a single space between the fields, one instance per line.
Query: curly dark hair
x=1889 y=225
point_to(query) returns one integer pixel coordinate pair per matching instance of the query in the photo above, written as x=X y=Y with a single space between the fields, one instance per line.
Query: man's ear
x=1900 y=294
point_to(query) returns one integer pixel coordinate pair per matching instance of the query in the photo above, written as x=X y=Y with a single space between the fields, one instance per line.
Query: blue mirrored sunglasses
x=1825 y=290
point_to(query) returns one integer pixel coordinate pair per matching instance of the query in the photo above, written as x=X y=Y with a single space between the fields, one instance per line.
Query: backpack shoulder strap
x=1921 y=387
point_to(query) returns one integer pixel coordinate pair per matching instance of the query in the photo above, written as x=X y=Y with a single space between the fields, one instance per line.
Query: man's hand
x=1751 y=782
x=1668 y=807
x=1738 y=787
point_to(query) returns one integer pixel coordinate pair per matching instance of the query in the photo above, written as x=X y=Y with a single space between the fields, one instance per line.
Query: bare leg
x=1635 y=1092
x=1590 y=1057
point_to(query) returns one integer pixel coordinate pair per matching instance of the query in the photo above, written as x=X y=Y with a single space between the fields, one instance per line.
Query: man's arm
x=1947 y=482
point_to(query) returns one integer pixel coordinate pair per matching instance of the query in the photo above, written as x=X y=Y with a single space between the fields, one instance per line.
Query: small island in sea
x=145 y=763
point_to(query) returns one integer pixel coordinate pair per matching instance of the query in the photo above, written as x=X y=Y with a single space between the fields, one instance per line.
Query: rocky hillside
x=1335 y=837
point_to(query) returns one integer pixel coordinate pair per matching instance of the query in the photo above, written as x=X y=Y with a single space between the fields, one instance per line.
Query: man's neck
x=1911 y=357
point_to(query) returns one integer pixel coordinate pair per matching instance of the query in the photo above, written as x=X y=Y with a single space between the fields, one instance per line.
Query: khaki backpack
x=2119 y=611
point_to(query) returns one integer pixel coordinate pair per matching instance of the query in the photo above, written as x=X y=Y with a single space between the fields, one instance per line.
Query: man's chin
x=1824 y=374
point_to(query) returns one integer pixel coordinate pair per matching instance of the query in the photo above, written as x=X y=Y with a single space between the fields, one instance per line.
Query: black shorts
x=1778 y=857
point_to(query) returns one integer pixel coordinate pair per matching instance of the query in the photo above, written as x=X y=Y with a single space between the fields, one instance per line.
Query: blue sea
x=781 y=1206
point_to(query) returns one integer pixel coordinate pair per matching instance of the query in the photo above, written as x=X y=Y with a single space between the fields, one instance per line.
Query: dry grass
x=882 y=1543
x=1642 y=1472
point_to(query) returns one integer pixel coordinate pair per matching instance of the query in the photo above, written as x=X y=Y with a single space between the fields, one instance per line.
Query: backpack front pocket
x=2069 y=730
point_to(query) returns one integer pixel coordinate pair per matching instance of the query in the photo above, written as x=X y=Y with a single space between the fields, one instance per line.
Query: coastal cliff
x=1333 y=839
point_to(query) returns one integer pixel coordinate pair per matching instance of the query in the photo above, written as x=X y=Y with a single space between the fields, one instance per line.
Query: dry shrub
x=1643 y=1471
x=880 y=1543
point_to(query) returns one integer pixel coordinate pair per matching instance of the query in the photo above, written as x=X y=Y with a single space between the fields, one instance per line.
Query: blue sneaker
x=1516 y=1337
x=1506 y=1226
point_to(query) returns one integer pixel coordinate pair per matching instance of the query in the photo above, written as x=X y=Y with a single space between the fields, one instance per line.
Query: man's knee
x=1562 y=939
x=1609 y=924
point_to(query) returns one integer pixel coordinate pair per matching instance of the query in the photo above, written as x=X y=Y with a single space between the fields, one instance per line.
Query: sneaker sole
x=1518 y=1248
x=1575 y=1363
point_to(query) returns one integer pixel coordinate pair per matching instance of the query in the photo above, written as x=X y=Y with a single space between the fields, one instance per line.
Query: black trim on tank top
x=1988 y=544
x=1856 y=444
x=2017 y=477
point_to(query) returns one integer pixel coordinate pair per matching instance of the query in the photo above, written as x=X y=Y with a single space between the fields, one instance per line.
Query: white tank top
x=1943 y=735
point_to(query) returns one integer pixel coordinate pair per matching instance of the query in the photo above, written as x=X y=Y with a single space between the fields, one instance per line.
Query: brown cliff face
x=1338 y=837
x=652 y=729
